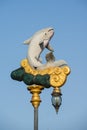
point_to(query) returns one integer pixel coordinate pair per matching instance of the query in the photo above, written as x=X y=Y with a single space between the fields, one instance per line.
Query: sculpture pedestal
x=35 y=90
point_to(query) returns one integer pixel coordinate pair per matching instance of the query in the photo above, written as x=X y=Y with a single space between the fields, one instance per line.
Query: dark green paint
x=29 y=79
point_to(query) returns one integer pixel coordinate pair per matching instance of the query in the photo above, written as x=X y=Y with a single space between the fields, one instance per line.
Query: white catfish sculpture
x=37 y=43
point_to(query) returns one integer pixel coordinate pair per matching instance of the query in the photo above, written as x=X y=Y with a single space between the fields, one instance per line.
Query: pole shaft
x=35 y=118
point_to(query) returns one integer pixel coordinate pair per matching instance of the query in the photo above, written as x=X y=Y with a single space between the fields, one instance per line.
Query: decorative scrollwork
x=58 y=75
x=66 y=70
x=57 y=79
x=24 y=63
x=27 y=67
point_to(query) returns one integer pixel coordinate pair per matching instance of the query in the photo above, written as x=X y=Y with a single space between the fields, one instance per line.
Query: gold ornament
x=58 y=75
x=35 y=90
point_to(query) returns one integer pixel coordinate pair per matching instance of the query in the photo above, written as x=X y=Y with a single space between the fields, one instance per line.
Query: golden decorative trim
x=35 y=90
x=58 y=75
x=57 y=90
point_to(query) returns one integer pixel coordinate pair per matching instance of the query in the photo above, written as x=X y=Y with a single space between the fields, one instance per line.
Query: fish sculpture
x=37 y=43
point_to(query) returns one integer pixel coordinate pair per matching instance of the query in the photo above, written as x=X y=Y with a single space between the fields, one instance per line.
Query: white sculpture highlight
x=37 y=43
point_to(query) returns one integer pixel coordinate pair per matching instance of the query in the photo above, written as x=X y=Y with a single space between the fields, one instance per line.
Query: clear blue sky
x=19 y=19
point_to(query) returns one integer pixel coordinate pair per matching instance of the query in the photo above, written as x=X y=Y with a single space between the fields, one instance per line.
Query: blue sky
x=19 y=19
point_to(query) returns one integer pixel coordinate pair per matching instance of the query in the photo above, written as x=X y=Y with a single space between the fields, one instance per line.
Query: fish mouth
x=51 y=30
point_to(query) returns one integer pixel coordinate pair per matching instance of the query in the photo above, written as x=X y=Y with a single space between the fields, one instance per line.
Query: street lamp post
x=35 y=91
x=53 y=74
x=37 y=80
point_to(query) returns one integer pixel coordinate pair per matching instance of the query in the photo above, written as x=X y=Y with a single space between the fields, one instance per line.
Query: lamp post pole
x=35 y=90
x=35 y=118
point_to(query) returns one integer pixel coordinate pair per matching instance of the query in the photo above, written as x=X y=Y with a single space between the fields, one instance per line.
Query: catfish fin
x=28 y=41
x=41 y=44
x=49 y=48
